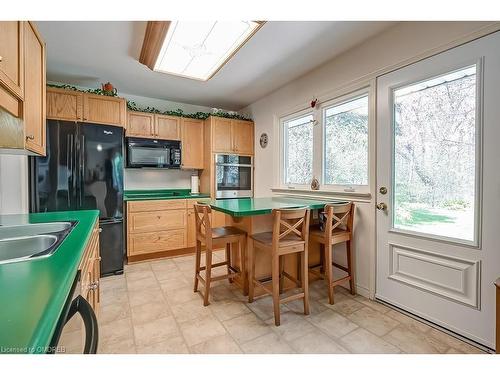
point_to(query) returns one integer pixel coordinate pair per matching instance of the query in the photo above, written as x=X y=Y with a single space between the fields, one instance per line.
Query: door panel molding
x=453 y=278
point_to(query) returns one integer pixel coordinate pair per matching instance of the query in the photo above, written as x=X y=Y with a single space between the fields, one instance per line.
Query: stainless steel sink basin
x=31 y=241
x=20 y=248
x=22 y=230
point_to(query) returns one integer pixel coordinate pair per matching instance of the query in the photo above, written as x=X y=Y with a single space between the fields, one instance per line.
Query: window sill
x=323 y=194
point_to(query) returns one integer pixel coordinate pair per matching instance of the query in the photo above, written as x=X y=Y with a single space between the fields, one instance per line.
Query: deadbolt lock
x=382 y=207
x=383 y=190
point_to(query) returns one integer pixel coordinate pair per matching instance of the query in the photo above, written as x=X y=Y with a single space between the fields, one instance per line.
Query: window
x=298 y=150
x=435 y=155
x=345 y=160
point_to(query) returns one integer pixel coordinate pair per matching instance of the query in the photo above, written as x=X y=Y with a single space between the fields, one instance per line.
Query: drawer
x=140 y=222
x=144 y=243
x=191 y=202
x=156 y=205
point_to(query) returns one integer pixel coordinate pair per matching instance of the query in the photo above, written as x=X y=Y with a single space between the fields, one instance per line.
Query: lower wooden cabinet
x=90 y=271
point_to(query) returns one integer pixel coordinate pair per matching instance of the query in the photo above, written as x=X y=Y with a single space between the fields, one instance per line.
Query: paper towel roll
x=195 y=184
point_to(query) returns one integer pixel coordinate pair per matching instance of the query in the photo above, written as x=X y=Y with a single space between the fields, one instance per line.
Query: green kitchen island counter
x=34 y=292
x=262 y=206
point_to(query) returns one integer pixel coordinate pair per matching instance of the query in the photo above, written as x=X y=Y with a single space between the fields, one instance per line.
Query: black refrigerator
x=83 y=170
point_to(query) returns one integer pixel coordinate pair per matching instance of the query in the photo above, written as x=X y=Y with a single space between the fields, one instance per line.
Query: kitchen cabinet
x=22 y=88
x=107 y=110
x=192 y=143
x=168 y=127
x=232 y=136
x=64 y=104
x=12 y=56
x=90 y=271
x=140 y=124
x=71 y=105
x=34 y=90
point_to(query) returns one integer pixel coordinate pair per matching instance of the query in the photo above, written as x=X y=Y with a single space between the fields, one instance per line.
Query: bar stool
x=338 y=229
x=290 y=235
x=214 y=238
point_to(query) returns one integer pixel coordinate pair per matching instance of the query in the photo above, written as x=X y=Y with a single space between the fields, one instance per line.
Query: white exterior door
x=438 y=158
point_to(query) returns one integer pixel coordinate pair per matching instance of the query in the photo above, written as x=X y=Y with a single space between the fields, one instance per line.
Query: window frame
x=347 y=188
x=282 y=121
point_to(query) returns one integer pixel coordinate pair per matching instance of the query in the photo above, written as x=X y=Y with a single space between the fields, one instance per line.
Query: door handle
x=382 y=207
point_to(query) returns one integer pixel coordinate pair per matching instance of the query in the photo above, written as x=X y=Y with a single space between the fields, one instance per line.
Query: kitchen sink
x=31 y=241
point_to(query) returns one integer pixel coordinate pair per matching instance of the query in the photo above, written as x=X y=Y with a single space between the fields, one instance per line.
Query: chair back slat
x=339 y=216
x=290 y=222
x=202 y=221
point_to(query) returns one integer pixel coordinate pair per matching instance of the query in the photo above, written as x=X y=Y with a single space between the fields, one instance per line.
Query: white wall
x=395 y=45
x=13 y=184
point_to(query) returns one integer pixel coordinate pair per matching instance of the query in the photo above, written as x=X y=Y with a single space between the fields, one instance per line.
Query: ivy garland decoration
x=132 y=106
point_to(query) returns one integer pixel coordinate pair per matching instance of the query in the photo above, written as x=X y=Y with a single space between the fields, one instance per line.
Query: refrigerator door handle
x=69 y=162
x=82 y=169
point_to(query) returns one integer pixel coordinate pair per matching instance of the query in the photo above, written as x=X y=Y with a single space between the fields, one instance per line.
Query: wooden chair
x=290 y=235
x=338 y=229
x=215 y=238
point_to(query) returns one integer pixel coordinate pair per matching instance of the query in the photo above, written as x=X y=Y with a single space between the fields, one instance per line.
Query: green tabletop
x=142 y=195
x=262 y=206
x=33 y=292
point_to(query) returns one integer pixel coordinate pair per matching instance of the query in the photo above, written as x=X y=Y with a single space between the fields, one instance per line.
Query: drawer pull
x=1 y=58
x=94 y=285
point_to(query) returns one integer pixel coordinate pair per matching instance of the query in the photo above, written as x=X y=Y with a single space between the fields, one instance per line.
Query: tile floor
x=152 y=309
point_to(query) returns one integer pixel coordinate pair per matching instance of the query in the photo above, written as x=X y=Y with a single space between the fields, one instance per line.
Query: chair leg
x=228 y=260
x=305 y=279
x=276 y=284
x=251 y=273
x=208 y=275
x=329 y=272
x=352 y=286
x=322 y=258
x=197 y=265
x=243 y=264
x=281 y=277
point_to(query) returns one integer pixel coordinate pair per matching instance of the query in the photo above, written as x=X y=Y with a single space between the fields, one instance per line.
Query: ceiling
x=87 y=53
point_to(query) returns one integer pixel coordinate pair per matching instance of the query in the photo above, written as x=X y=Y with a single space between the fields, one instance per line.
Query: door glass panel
x=435 y=156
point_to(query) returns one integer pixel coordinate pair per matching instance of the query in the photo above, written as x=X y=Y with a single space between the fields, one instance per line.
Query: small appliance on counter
x=153 y=153
x=195 y=184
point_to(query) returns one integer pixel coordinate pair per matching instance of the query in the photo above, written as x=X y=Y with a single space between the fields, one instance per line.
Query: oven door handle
x=233 y=165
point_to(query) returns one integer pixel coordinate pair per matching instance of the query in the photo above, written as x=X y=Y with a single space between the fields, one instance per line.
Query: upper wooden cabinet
x=12 y=56
x=106 y=110
x=168 y=127
x=34 y=90
x=149 y=125
x=77 y=106
x=222 y=135
x=192 y=143
x=140 y=124
x=64 y=104
x=22 y=88
x=232 y=136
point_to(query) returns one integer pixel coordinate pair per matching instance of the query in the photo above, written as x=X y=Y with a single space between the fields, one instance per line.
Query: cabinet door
x=221 y=135
x=106 y=110
x=64 y=104
x=192 y=144
x=34 y=90
x=191 y=229
x=242 y=137
x=168 y=127
x=12 y=56
x=140 y=124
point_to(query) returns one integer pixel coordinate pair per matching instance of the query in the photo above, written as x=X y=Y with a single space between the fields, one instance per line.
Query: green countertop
x=262 y=206
x=33 y=292
x=141 y=195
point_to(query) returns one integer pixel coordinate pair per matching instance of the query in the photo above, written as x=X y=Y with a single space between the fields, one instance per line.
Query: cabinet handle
x=100 y=230
x=30 y=137
x=1 y=58
x=94 y=285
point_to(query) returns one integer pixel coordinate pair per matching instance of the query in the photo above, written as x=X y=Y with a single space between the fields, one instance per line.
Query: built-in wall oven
x=233 y=176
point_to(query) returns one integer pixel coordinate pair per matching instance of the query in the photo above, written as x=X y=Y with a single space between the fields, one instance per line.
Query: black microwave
x=153 y=153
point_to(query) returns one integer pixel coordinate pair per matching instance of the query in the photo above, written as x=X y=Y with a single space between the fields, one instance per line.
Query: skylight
x=198 y=49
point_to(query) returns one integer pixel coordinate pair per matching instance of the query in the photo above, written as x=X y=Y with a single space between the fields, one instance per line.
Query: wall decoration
x=314 y=103
x=100 y=91
x=264 y=140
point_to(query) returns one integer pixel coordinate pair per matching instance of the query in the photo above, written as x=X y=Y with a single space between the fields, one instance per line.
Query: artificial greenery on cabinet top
x=132 y=106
